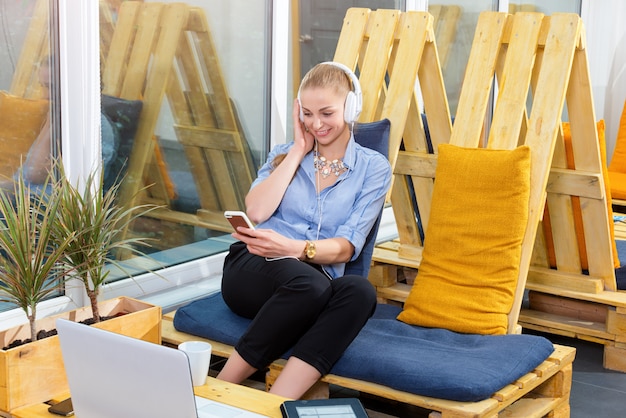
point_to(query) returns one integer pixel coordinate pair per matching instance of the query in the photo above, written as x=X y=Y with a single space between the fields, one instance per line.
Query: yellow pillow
x=467 y=278
x=618 y=185
x=21 y=121
x=618 y=161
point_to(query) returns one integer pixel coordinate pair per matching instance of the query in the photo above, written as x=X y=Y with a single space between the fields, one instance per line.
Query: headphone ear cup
x=350 y=108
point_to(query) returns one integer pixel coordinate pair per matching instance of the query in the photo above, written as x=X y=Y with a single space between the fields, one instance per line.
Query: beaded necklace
x=324 y=167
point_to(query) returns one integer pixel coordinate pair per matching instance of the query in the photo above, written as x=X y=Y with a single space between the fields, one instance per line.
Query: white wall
x=606 y=50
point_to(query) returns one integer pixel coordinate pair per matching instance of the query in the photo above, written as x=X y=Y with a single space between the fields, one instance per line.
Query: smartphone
x=63 y=408
x=238 y=218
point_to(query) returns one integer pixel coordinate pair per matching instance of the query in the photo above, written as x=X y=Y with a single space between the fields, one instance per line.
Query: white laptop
x=114 y=376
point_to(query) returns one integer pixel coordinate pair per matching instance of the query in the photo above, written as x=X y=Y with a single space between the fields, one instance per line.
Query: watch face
x=310 y=249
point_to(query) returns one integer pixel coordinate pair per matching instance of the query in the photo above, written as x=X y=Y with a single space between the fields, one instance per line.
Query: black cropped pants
x=293 y=304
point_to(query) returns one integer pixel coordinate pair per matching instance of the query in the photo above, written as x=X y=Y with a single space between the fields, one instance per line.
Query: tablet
x=324 y=408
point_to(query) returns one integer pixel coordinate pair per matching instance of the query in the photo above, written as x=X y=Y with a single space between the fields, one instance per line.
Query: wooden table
x=236 y=395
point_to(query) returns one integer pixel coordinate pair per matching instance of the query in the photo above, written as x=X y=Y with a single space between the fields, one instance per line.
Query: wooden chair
x=573 y=290
x=581 y=303
x=387 y=44
x=165 y=51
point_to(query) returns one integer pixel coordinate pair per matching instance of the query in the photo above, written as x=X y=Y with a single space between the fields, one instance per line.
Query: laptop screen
x=112 y=375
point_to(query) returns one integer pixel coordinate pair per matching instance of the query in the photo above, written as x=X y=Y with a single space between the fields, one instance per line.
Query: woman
x=314 y=202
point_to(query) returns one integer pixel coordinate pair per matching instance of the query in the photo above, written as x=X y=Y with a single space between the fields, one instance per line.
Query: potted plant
x=90 y=223
x=38 y=242
x=30 y=253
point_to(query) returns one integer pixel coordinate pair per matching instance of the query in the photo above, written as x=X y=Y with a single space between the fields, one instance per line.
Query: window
x=189 y=115
x=29 y=94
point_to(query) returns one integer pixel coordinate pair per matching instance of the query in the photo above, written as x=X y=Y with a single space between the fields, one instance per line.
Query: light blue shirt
x=347 y=209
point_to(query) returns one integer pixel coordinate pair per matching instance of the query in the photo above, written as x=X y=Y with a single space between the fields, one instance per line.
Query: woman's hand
x=301 y=136
x=271 y=244
x=268 y=243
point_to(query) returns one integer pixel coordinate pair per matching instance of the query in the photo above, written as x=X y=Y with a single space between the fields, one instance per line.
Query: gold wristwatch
x=310 y=250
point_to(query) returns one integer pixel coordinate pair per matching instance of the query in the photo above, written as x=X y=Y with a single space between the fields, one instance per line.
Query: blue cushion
x=620 y=273
x=110 y=143
x=124 y=117
x=372 y=135
x=423 y=361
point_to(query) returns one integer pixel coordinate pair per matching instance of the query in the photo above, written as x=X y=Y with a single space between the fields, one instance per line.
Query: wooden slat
x=351 y=35
x=587 y=158
x=474 y=97
x=545 y=122
x=36 y=46
x=169 y=30
x=514 y=87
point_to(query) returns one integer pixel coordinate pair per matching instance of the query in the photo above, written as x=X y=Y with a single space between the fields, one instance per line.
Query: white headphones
x=354 y=99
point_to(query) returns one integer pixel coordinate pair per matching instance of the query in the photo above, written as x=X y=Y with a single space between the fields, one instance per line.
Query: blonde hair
x=322 y=76
x=327 y=76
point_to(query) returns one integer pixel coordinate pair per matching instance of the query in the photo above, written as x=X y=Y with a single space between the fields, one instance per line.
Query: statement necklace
x=324 y=167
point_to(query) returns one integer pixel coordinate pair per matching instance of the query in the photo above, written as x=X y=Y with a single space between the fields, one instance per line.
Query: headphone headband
x=354 y=99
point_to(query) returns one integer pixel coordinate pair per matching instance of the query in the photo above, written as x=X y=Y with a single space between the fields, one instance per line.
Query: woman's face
x=323 y=114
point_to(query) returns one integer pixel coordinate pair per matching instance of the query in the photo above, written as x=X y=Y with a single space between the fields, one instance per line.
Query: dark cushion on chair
x=620 y=273
x=373 y=135
x=124 y=115
x=423 y=361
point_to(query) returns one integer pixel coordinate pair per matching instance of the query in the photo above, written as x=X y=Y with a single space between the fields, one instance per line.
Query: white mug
x=199 y=355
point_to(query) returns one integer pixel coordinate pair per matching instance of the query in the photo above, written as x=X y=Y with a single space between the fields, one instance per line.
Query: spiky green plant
x=93 y=220
x=29 y=264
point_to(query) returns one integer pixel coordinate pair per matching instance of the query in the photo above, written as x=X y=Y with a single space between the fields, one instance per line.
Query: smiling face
x=323 y=109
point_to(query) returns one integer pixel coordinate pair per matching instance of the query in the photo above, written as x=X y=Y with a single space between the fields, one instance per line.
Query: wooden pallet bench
x=543 y=391
x=393 y=51
x=558 y=79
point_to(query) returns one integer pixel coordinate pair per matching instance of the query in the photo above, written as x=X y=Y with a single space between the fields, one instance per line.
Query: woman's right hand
x=301 y=136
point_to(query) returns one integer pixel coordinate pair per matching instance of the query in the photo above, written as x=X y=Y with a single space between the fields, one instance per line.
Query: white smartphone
x=238 y=218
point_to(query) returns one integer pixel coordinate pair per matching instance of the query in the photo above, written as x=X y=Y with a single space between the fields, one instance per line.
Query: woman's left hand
x=268 y=243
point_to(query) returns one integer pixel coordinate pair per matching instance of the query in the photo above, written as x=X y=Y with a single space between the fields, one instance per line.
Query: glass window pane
x=454 y=23
x=546 y=6
x=29 y=117
x=320 y=23
x=185 y=116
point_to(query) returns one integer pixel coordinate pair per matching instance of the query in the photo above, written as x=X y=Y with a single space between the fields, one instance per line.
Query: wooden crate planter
x=34 y=372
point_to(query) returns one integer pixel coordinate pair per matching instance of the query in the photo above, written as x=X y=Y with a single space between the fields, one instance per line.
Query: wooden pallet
x=544 y=390
x=163 y=52
x=550 y=71
x=524 y=49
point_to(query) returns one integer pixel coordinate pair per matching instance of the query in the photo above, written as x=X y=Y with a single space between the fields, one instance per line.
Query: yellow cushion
x=21 y=121
x=470 y=264
x=618 y=185
x=618 y=161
